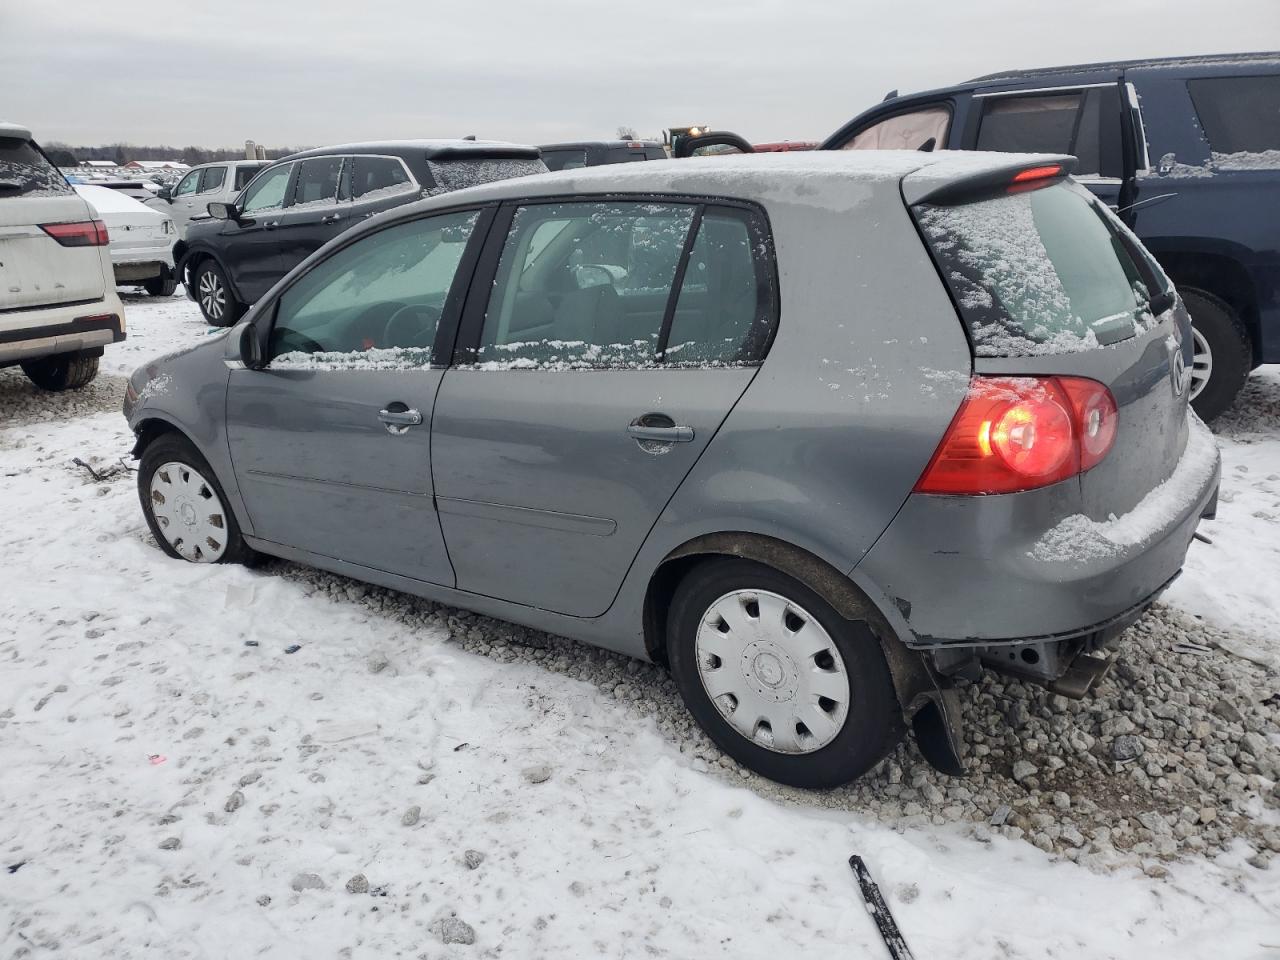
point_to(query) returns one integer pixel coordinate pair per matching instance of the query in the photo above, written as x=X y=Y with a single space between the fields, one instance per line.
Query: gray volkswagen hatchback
x=825 y=433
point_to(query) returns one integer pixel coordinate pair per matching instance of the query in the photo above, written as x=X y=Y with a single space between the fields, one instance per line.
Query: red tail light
x=1019 y=433
x=1038 y=173
x=86 y=233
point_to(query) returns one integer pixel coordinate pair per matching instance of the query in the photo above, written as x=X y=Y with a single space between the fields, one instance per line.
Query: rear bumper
x=31 y=334
x=969 y=571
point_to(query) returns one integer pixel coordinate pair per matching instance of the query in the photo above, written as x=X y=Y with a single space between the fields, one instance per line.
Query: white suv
x=189 y=199
x=58 y=302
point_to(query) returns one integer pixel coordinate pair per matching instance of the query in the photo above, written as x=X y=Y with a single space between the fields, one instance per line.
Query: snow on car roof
x=823 y=177
x=105 y=200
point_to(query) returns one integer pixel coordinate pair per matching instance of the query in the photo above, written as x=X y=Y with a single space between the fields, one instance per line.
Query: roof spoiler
x=484 y=151
x=930 y=184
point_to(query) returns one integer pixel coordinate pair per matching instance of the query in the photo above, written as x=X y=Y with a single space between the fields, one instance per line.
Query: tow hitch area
x=1084 y=671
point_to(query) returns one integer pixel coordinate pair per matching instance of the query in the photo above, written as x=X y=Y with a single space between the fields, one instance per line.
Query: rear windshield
x=24 y=171
x=1043 y=271
x=458 y=174
x=1239 y=115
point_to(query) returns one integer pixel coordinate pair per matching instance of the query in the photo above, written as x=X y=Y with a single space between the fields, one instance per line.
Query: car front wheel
x=213 y=294
x=185 y=506
x=777 y=678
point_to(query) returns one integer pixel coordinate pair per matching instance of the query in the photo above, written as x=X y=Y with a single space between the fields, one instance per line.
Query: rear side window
x=564 y=159
x=244 y=175
x=1039 y=272
x=1083 y=123
x=318 y=180
x=213 y=178
x=459 y=174
x=26 y=172
x=1239 y=114
x=905 y=131
x=372 y=177
x=600 y=285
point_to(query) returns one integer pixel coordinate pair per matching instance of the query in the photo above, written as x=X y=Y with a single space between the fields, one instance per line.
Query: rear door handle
x=333 y=219
x=660 y=428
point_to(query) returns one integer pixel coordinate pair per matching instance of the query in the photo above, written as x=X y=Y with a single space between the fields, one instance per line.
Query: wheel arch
x=1219 y=272
x=927 y=702
x=192 y=258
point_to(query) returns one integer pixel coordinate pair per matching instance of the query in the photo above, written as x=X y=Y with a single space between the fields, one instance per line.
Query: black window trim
x=446 y=331
x=763 y=249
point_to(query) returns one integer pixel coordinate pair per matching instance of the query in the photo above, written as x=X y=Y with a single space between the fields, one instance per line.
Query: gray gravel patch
x=22 y=403
x=1042 y=768
x=1256 y=410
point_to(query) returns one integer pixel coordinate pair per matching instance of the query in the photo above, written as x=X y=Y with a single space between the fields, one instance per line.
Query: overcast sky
x=310 y=72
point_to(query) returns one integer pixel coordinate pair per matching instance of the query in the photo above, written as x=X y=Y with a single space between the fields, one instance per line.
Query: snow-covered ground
x=176 y=784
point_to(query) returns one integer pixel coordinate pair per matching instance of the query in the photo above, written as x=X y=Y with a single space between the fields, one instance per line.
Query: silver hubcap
x=772 y=671
x=213 y=298
x=1201 y=362
x=189 y=514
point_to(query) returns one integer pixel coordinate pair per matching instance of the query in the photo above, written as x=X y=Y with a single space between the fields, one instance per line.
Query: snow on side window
x=24 y=172
x=1039 y=272
x=376 y=304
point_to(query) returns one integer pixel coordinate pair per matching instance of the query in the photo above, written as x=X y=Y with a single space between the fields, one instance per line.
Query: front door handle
x=660 y=428
x=332 y=219
x=398 y=421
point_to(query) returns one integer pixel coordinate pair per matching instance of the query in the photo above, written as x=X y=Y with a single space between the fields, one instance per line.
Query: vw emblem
x=1179 y=373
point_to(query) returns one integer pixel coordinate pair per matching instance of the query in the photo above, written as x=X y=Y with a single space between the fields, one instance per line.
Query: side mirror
x=714 y=143
x=251 y=354
x=165 y=193
x=223 y=211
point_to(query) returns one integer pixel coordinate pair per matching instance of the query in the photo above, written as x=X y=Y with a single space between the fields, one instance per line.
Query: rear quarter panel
x=868 y=367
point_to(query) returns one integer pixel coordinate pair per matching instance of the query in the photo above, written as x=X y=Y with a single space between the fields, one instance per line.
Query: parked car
x=1186 y=149
x=189 y=198
x=141 y=190
x=141 y=240
x=595 y=153
x=296 y=205
x=822 y=440
x=58 y=302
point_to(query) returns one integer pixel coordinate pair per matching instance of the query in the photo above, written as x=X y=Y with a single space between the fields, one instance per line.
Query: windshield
x=25 y=171
x=1048 y=270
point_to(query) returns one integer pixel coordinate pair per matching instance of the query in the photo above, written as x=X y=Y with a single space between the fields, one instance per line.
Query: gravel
x=23 y=403
x=1195 y=723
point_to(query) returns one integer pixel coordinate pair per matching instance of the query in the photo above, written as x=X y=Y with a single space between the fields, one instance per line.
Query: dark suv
x=1186 y=150
x=296 y=205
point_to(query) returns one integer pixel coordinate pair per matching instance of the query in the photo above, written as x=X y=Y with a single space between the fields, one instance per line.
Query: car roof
x=429 y=149
x=15 y=130
x=582 y=144
x=826 y=179
x=1188 y=62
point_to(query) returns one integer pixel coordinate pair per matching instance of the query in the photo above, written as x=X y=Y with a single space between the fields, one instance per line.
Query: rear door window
x=1239 y=115
x=373 y=177
x=905 y=131
x=212 y=179
x=1083 y=123
x=26 y=172
x=598 y=285
x=1045 y=271
x=318 y=181
x=564 y=159
x=244 y=175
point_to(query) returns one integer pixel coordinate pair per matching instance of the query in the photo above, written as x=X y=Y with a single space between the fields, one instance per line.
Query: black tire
x=162 y=286
x=171 y=448
x=873 y=724
x=1229 y=346
x=62 y=371
x=213 y=294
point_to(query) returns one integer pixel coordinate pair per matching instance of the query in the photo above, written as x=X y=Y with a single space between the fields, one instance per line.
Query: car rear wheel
x=185 y=506
x=1223 y=352
x=214 y=295
x=162 y=286
x=62 y=371
x=777 y=678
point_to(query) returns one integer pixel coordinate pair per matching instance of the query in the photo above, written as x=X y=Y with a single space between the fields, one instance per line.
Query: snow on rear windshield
x=25 y=172
x=1039 y=272
x=460 y=174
